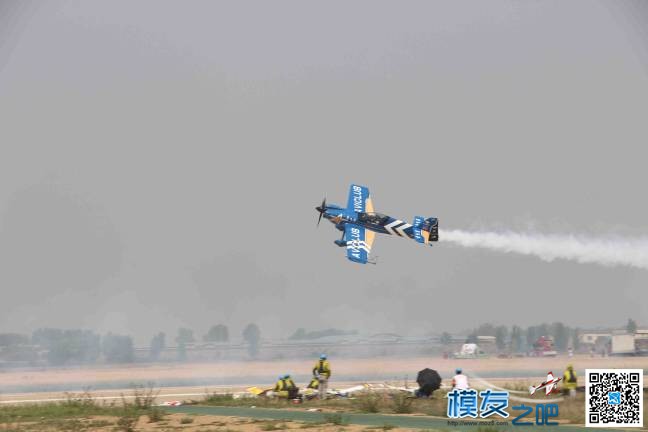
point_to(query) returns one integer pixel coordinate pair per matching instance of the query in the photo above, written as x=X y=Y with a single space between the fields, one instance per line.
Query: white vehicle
x=623 y=344
x=470 y=351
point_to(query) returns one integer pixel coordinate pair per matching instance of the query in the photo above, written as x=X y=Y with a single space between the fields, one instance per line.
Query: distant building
x=641 y=341
x=591 y=338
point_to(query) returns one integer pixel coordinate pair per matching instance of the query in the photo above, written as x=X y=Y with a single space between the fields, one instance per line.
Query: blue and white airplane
x=359 y=225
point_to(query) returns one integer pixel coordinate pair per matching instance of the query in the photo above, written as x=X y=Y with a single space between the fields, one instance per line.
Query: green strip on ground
x=404 y=421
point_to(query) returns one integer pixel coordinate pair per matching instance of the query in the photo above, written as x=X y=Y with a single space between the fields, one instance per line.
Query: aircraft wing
x=359 y=200
x=359 y=241
x=258 y=391
x=549 y=388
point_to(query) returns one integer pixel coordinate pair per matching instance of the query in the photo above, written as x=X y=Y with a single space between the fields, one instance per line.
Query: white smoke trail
x=603 y=251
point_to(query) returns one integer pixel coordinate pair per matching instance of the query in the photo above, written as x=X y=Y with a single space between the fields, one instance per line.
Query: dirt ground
x=249 y=373
x=181 y=422
x=523 y=371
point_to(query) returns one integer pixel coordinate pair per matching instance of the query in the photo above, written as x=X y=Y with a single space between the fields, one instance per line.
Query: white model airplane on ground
x=550 y=385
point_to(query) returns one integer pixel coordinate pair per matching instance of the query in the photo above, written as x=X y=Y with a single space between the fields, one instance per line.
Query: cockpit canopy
x=373 y=218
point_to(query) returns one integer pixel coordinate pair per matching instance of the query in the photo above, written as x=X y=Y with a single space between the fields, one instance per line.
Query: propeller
x=321 y=209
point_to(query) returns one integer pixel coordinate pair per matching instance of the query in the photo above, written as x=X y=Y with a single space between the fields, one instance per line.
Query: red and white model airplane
x=550 y=385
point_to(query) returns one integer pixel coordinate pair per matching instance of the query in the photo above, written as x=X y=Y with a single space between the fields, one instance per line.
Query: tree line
x=78 y=346
x=516 y=338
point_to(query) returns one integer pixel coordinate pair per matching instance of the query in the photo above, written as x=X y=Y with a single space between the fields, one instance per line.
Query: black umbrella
x=428 y=381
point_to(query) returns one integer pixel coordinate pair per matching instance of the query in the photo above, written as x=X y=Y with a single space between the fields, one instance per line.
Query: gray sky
x=161 y=160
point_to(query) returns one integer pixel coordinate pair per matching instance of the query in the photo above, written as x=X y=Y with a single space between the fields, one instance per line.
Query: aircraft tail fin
x=532 y=390
x=426 y=230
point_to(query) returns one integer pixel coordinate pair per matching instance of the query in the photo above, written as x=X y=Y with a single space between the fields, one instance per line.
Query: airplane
x=309 y=393
x=550 y=385
x=359 y=225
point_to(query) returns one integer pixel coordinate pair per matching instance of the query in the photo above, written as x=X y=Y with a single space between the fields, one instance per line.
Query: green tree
x=118 y=348
x=217 y=333
x=575 y=340
x=181 y=351
x=534 y=332
x=445 y=338
x=158 y=343
x=501 y=334
x=516 y=339
x=631 y=327
x=13 y=339
x=185 y=336
x=299 y=334
x=252 y=335
x=531 y=335
x=486 y=330
x=472 y=338
x=68 y=346
x=45 y=337
x=560 y=334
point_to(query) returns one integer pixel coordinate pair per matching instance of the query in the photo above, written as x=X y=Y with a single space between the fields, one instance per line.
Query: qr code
x=614 y=397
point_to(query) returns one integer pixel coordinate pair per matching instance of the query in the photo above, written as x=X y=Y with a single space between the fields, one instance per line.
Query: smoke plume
x=603 y=251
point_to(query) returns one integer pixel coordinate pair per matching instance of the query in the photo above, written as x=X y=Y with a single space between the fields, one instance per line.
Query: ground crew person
x=570 y=381
x=293 y=390
x=313 y=384
x=280 y=388
x=460 y=381
x=285 y=387
x=322 y=372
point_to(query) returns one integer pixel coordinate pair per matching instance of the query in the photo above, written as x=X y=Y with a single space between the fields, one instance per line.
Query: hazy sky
x=160 y=161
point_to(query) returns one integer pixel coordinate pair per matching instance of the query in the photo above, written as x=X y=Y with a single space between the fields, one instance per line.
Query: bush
x=186 y=420
x=369 y=403
x=155 y=414
x=126 y=422
x=402 y=403
x=144 y=397
x=335 y=418
x=220 y=399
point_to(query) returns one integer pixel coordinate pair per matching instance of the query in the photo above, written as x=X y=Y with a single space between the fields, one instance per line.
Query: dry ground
x=510 y=373
x=248 y=372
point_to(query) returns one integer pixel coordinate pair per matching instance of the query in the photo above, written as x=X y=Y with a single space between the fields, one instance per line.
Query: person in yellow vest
x=313 y=384
x=279 y=389
x=285 y=387
x=322 y=372
x=570 y=381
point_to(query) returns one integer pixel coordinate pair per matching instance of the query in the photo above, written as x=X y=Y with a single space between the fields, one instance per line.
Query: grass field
x=95 y=411
x=81 y=412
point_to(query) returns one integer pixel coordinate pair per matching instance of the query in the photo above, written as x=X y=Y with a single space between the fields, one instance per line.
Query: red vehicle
x=544 y=347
